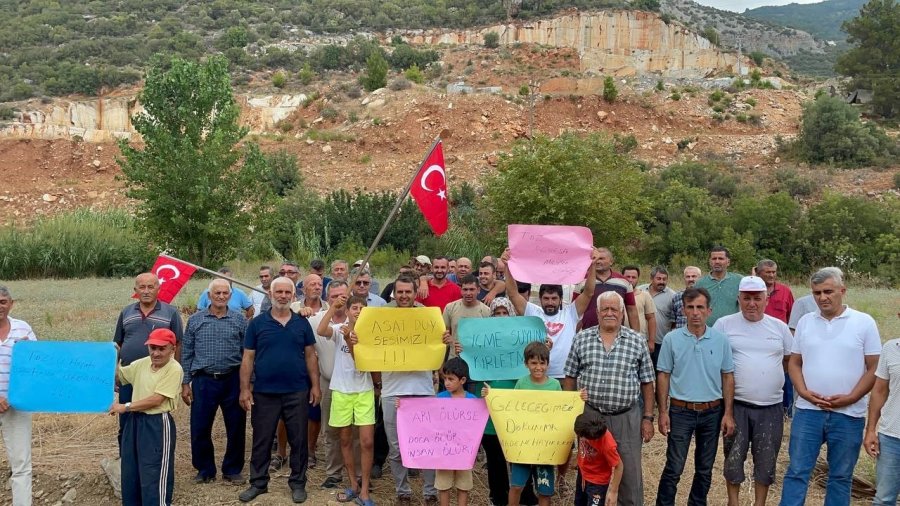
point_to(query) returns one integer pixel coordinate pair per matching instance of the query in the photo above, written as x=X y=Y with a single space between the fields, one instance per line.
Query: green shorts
x=352 y=409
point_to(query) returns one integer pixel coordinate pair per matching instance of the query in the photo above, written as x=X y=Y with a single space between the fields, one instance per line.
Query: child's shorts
x=589 y=494
x=352 y=409
x=446 y=480
x=544 y=477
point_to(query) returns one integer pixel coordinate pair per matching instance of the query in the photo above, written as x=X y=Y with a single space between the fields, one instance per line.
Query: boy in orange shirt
x=599 y=465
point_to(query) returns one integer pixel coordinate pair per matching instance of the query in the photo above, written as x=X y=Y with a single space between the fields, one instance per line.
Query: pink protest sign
x=440 y=433
x=556 y=254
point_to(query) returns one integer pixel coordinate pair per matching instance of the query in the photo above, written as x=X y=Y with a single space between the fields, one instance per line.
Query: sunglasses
x=363 y=283
x=282 y=273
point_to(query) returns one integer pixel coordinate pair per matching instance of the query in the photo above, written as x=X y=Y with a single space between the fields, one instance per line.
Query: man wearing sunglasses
x=361 y=287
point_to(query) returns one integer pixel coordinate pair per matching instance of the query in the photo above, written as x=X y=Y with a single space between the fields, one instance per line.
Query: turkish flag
x=173 y=274
x=429 y=189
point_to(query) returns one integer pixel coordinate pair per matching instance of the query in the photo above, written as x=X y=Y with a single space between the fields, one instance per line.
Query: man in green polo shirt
x=721 y=285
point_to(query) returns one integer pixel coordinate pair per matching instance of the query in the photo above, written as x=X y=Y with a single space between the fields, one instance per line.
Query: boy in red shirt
x=599 y=465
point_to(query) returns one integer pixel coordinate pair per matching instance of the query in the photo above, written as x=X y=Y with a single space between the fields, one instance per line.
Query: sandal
x=348 y=495
x=365 y=502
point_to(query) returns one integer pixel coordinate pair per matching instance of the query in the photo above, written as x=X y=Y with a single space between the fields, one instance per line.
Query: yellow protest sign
x=535 y=426
x=399 y=339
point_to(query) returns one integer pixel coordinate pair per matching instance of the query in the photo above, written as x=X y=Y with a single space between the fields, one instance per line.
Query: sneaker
x=252 y=493
x=298 y=495
x=234 y=479
x=200 y=479
x=277 y=463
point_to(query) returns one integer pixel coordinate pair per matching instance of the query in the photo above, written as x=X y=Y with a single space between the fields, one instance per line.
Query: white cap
x=422 y=259
x=752 y=284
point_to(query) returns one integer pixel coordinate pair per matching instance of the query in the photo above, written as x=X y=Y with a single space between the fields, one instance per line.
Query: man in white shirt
x=882 y=439
x=265 y=280
x=760 y=346
x=832 y=366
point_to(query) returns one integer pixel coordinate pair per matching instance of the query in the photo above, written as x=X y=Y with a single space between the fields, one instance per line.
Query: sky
x=740 y=5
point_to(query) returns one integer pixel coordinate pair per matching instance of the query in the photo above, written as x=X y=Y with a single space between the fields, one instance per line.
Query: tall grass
x=79 y=244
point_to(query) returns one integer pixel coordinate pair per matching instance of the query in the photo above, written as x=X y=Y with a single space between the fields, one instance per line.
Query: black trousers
x=381 y=442
x=211 y=394
x=293 y=408
x=498 y=474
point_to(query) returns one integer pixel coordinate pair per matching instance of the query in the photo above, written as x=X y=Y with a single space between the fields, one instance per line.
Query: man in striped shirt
x=15 y=425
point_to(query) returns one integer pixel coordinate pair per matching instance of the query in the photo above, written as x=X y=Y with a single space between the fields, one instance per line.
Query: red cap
x=161 y=337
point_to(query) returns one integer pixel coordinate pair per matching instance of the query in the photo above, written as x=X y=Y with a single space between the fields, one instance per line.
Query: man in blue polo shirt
x=239 y=301
x=279 y=349
x=695 y=395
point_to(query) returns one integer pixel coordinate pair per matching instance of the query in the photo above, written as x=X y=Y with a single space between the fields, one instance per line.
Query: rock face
x=609 y=42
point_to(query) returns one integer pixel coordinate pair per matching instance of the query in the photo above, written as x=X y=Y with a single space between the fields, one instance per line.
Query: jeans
x=704 y=427
x=887 y=471
x=810 y=429
x=788 y=397
x=400 y=473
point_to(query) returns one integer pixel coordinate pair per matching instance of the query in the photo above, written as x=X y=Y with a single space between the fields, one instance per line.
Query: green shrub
x=741 y=117
x=831 y=132
x=751 y=102
x=610 y=92
x=758 y=57
x=492 y=40
x=279 y=80
x=524 y=90
x=306 y=74
x=625 y=143
x=796 y=185
x=330 y=113
x=675 y=96
x=414 y=74
x=716 y=95
x=401 y=83
x=660 y=86
x=376 y=72
x=897 y=181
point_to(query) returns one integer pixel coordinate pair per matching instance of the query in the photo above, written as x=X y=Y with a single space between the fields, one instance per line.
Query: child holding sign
x=455 y=373
x=599 y=466
x=353 y=397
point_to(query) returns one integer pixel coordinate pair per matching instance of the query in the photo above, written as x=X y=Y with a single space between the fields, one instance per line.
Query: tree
x=198 y=191
x=874 y=62
x=609 y=89
x=492 y=40
x=646 y=5
x=376 y=72
x=831 y=132
x=568 y=180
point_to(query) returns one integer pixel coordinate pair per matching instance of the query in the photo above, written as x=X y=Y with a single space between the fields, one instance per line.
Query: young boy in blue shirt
x=455 y=373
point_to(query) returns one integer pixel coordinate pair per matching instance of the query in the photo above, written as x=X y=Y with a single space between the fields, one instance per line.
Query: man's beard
x=551 y=310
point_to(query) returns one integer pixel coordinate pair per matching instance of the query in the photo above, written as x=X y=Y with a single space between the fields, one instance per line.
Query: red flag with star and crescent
x=173 y=274
x=429 y=189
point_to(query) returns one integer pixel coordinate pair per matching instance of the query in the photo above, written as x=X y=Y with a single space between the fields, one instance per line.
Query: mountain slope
x=823 y=20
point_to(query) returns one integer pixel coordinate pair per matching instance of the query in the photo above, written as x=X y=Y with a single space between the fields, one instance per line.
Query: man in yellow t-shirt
x=148 y=475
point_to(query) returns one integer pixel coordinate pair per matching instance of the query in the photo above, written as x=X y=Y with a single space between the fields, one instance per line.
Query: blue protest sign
x=492 y=347
x=62 y=377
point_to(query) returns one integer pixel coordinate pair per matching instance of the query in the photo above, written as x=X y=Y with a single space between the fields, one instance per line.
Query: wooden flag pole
x=216 y=274
x=394 y=211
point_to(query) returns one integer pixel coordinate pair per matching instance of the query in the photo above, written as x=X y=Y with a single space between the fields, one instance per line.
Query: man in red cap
x=147 y=449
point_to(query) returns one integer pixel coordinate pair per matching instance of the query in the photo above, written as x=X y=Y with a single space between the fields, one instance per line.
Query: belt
x=754 y=406
x=216 y=375
x=696 y=406
x=618 y=412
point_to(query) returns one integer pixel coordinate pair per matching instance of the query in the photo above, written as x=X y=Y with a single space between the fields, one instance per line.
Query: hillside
x=822 y=20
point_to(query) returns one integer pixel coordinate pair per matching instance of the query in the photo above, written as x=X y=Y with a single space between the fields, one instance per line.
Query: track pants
x=148 y=459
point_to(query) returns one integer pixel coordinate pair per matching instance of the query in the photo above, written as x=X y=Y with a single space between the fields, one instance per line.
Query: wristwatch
x=649 y=418
x=127 y=406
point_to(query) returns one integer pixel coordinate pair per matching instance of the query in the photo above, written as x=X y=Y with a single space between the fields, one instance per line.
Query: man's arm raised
x=512 y=290
x=590 y=284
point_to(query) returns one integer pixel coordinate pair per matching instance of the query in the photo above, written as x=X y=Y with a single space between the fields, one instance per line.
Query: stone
x=69 y=496
x=49 y=198
x=602 y=115
x=326 y=149
x=112 y=469
x=97 y=163
x=378 y=102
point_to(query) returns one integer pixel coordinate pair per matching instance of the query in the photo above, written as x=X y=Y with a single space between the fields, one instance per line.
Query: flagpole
x=216 y=274
x=393 y=212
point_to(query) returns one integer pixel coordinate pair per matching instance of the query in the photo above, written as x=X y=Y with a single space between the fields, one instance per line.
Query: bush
x=306 y=74
x=897 y=181
x=376 y=72
x=660 y=86
x=414 y=74
x=716 y=95
x=758 y=57
x=794 y=184
x=405 y=56
x=279 y=80
x=751 y=102
x=675 y=96
x=492 y=40
x=831 y=132
x=609 y=89
x=524 y=90
x=401 y=83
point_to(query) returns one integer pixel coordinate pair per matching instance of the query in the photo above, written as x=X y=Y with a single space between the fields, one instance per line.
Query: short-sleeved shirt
x=695 y=365
x=212 y=344
x=500 y=384
x=166 y=382
x=447 y=395
x=678 y=318
x=440 y=296
x=482 y=293
x=561 y=329
x=395 y=383
x=644 y=303
x=597 y=458
x=280 y=360
x=18 y=331
x=612 y=378
x=346 y=378
x=615 y=283
x=133 y=328
x=834 y=353
x=889 y=370
x=664 y=314
x=525 y=383
x=325 y=348
x=374 y=300
x=802 y=306
x=758 y=350
x=457 y=310
x=238 y=301
x=724 y=294
x=257 y=299
x=781 y=300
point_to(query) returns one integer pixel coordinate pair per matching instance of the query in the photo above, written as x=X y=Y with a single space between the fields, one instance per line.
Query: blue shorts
x=589 y=494
x=544 y=477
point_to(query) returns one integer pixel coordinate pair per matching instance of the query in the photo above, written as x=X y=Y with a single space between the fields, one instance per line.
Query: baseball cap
x=752 y=284
x=422 y=259
x=161 y=337
x=359 y=263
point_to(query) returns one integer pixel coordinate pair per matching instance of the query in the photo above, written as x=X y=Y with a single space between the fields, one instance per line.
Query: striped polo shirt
x=18 y=331
x=133 y=328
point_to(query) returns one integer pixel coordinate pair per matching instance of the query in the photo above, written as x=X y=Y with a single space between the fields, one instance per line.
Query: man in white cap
x=760 y=346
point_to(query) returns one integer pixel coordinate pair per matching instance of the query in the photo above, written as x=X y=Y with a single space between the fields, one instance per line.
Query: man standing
x=883 y=429
x=440 y=290
x=467 y=307
x=488 y=284
x=291 y=271
x=779 y=305
x=394 y=386
x=662 y=299
x=691 y=275
x=339 y=270
x=361 y=286
x=317 y=267
x=136 y=322
x=15 y=425
x=695 y=394
x=613 y=364
x=646 y=309
x=463 y=269
x=721 y=284
x=265 y=279
x=760 y=346
x=211 y=358
x=239 y=300
x=374 y=287
x=608 y=280
x=148 y=438
x=312 y=302
x=832 y=365
x=279 y=353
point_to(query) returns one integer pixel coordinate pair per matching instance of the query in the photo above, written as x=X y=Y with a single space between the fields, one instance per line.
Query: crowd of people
x=728 y=355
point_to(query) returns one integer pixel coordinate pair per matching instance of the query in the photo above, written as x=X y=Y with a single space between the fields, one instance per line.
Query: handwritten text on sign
x=493 y=346
x=62 y=377
x=399 y=339
x=535 y=426
x=440 y=433
x=549 y=253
